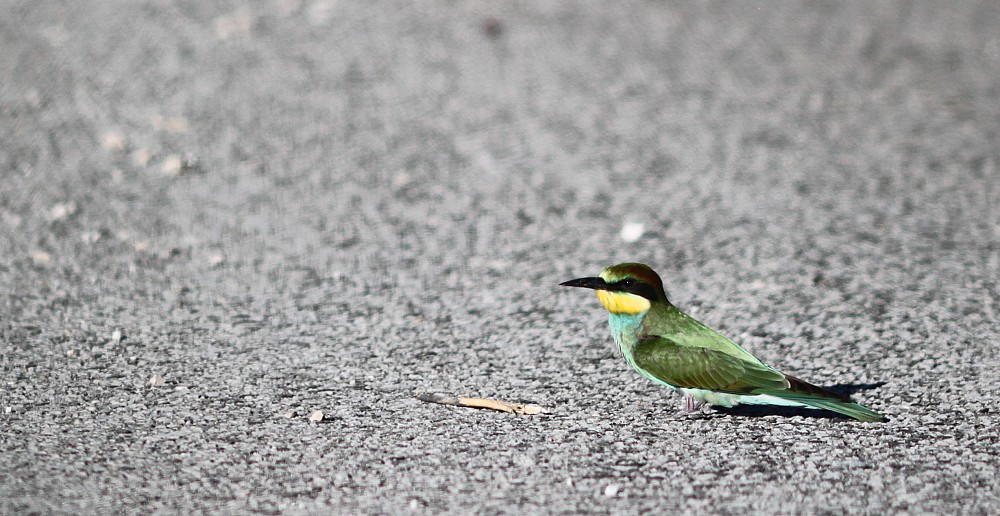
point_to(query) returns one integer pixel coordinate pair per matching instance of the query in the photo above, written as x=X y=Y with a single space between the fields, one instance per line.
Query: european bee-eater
x=669 y=347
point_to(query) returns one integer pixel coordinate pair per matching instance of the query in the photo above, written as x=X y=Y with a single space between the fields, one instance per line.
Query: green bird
x=669 y=347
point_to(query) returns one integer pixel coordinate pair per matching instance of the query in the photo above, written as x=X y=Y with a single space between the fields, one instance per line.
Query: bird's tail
x=859 y=412
x=814 y=396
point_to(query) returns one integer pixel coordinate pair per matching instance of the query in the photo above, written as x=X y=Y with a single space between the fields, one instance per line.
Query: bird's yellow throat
x=623 y=302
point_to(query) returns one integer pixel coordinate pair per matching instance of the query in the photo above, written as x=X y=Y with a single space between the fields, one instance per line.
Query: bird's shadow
x=846 y=389
x=849 y=389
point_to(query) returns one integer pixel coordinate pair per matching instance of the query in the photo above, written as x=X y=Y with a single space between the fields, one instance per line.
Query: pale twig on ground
x=484 y=403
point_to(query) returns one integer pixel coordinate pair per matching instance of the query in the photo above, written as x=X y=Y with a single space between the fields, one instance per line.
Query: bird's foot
x=691 y=405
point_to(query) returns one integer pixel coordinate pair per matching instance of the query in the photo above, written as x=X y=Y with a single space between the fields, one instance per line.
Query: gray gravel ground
x=286 y=206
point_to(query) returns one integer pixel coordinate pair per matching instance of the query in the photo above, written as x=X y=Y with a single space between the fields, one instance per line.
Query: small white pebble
x=173 y=165
x=141 y=157
x=41 y=257
x=156 y=380
x=316 y=416
x=116 y=336
x=8 y=410
x=632 y=231
x=611 y=490
x=400 y=180
x=62 y=211
x=113 y=141
x=216 y=259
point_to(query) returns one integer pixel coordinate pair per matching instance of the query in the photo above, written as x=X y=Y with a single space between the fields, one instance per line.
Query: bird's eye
x=627 y=282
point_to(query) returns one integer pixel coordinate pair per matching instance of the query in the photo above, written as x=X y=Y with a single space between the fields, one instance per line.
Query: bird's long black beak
x=594 y=283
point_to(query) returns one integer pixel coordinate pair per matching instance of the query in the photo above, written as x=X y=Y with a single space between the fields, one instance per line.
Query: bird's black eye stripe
x=638 y=288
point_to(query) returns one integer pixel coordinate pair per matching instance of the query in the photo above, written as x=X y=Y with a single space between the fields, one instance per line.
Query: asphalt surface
x=217 y=219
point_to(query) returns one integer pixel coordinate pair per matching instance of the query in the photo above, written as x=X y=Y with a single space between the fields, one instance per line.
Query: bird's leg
x=691 y=404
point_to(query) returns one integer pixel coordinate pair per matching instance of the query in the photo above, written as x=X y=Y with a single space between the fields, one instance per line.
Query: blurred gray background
x=219 y=217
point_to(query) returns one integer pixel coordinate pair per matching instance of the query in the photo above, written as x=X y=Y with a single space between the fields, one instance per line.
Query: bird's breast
x=625 y=330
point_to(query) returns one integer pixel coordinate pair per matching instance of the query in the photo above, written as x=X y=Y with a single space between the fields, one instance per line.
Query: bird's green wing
x=682 y=329
x=694 y=367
